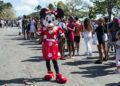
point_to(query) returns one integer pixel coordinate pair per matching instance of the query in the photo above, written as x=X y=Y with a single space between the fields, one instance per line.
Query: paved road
x=22 y=59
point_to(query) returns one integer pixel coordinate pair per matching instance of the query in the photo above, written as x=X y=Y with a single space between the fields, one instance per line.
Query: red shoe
x=60 y=79
x=49 y=76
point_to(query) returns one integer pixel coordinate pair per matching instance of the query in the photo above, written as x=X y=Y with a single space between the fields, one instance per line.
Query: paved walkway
x=22 y=59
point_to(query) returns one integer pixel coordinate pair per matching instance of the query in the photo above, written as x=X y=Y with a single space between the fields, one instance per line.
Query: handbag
x=105 y=37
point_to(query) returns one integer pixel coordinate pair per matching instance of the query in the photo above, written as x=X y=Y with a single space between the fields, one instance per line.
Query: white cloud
x=30 y=2
x=24 y=8
x=45 y=3
x=88 y=2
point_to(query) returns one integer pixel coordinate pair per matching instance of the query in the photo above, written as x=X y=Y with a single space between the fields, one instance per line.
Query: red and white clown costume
x=49 y=34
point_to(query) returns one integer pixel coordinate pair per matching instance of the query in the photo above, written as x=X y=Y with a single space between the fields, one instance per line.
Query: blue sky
x=22 y=7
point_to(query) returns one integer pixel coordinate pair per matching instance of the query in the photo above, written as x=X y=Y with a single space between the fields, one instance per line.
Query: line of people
x=28 y=27
x=8 y=23
x=104 y=34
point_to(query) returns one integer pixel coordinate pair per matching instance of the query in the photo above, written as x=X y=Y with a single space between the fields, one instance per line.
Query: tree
x=76 y=8
x=8 y=5
x=6 y=11
x=100 y=7
x=38 y=8
x=92 y=13
x=61 y=5
x=51 y=6
x=72 y=6
x=64 y=7
x=106 y=6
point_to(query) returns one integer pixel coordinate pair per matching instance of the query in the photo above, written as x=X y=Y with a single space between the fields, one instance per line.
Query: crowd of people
x=8 y=23
x=28 y=26
x=104 y=34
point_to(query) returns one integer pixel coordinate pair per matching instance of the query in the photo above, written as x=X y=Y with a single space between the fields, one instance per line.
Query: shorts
x=77 y=39
x=117 y=60
x=100 y=40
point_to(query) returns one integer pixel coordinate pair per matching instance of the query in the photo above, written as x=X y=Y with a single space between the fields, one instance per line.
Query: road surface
x=22 y=59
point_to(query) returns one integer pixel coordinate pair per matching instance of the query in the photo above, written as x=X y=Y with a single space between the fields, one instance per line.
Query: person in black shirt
x=102 y=46
x=24 y=25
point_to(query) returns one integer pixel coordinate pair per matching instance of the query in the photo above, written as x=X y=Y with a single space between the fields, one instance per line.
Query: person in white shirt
x=88 y=36
x=20 y=26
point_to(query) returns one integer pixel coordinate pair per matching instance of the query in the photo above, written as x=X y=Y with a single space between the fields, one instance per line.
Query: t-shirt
x=78 y=28
x=95 y=26
x=106 y=29
x=100 y=31
x=87 y=34
x=71 y=32
x=24 y=23
x=62 y=25
x=113 y=30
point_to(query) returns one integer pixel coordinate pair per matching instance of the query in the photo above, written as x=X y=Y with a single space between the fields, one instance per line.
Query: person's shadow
x=22 y=81
x=34 y=59
x=95 y=71
x=76 y=63
x=113 y=84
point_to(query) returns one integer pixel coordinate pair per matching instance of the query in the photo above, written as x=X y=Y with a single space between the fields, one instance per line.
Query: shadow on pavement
x=11 y=35
x=21 y=81
x=113 y=84
x=18 y=38
x=25 y=41
x=95 y=71
x=29 y=43
x=76 y=63
x=96 y=57
x=95 y=52
x=34 y=59
x=36 y=48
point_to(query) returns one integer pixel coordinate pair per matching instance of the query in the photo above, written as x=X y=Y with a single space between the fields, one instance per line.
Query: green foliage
x=38 y=8
x=92 y=13
x=64 y=7
x=71 y=7
x=6 y=11
x=35 y=14
x=106 y=6
x=51 y=6
x=61 y=5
